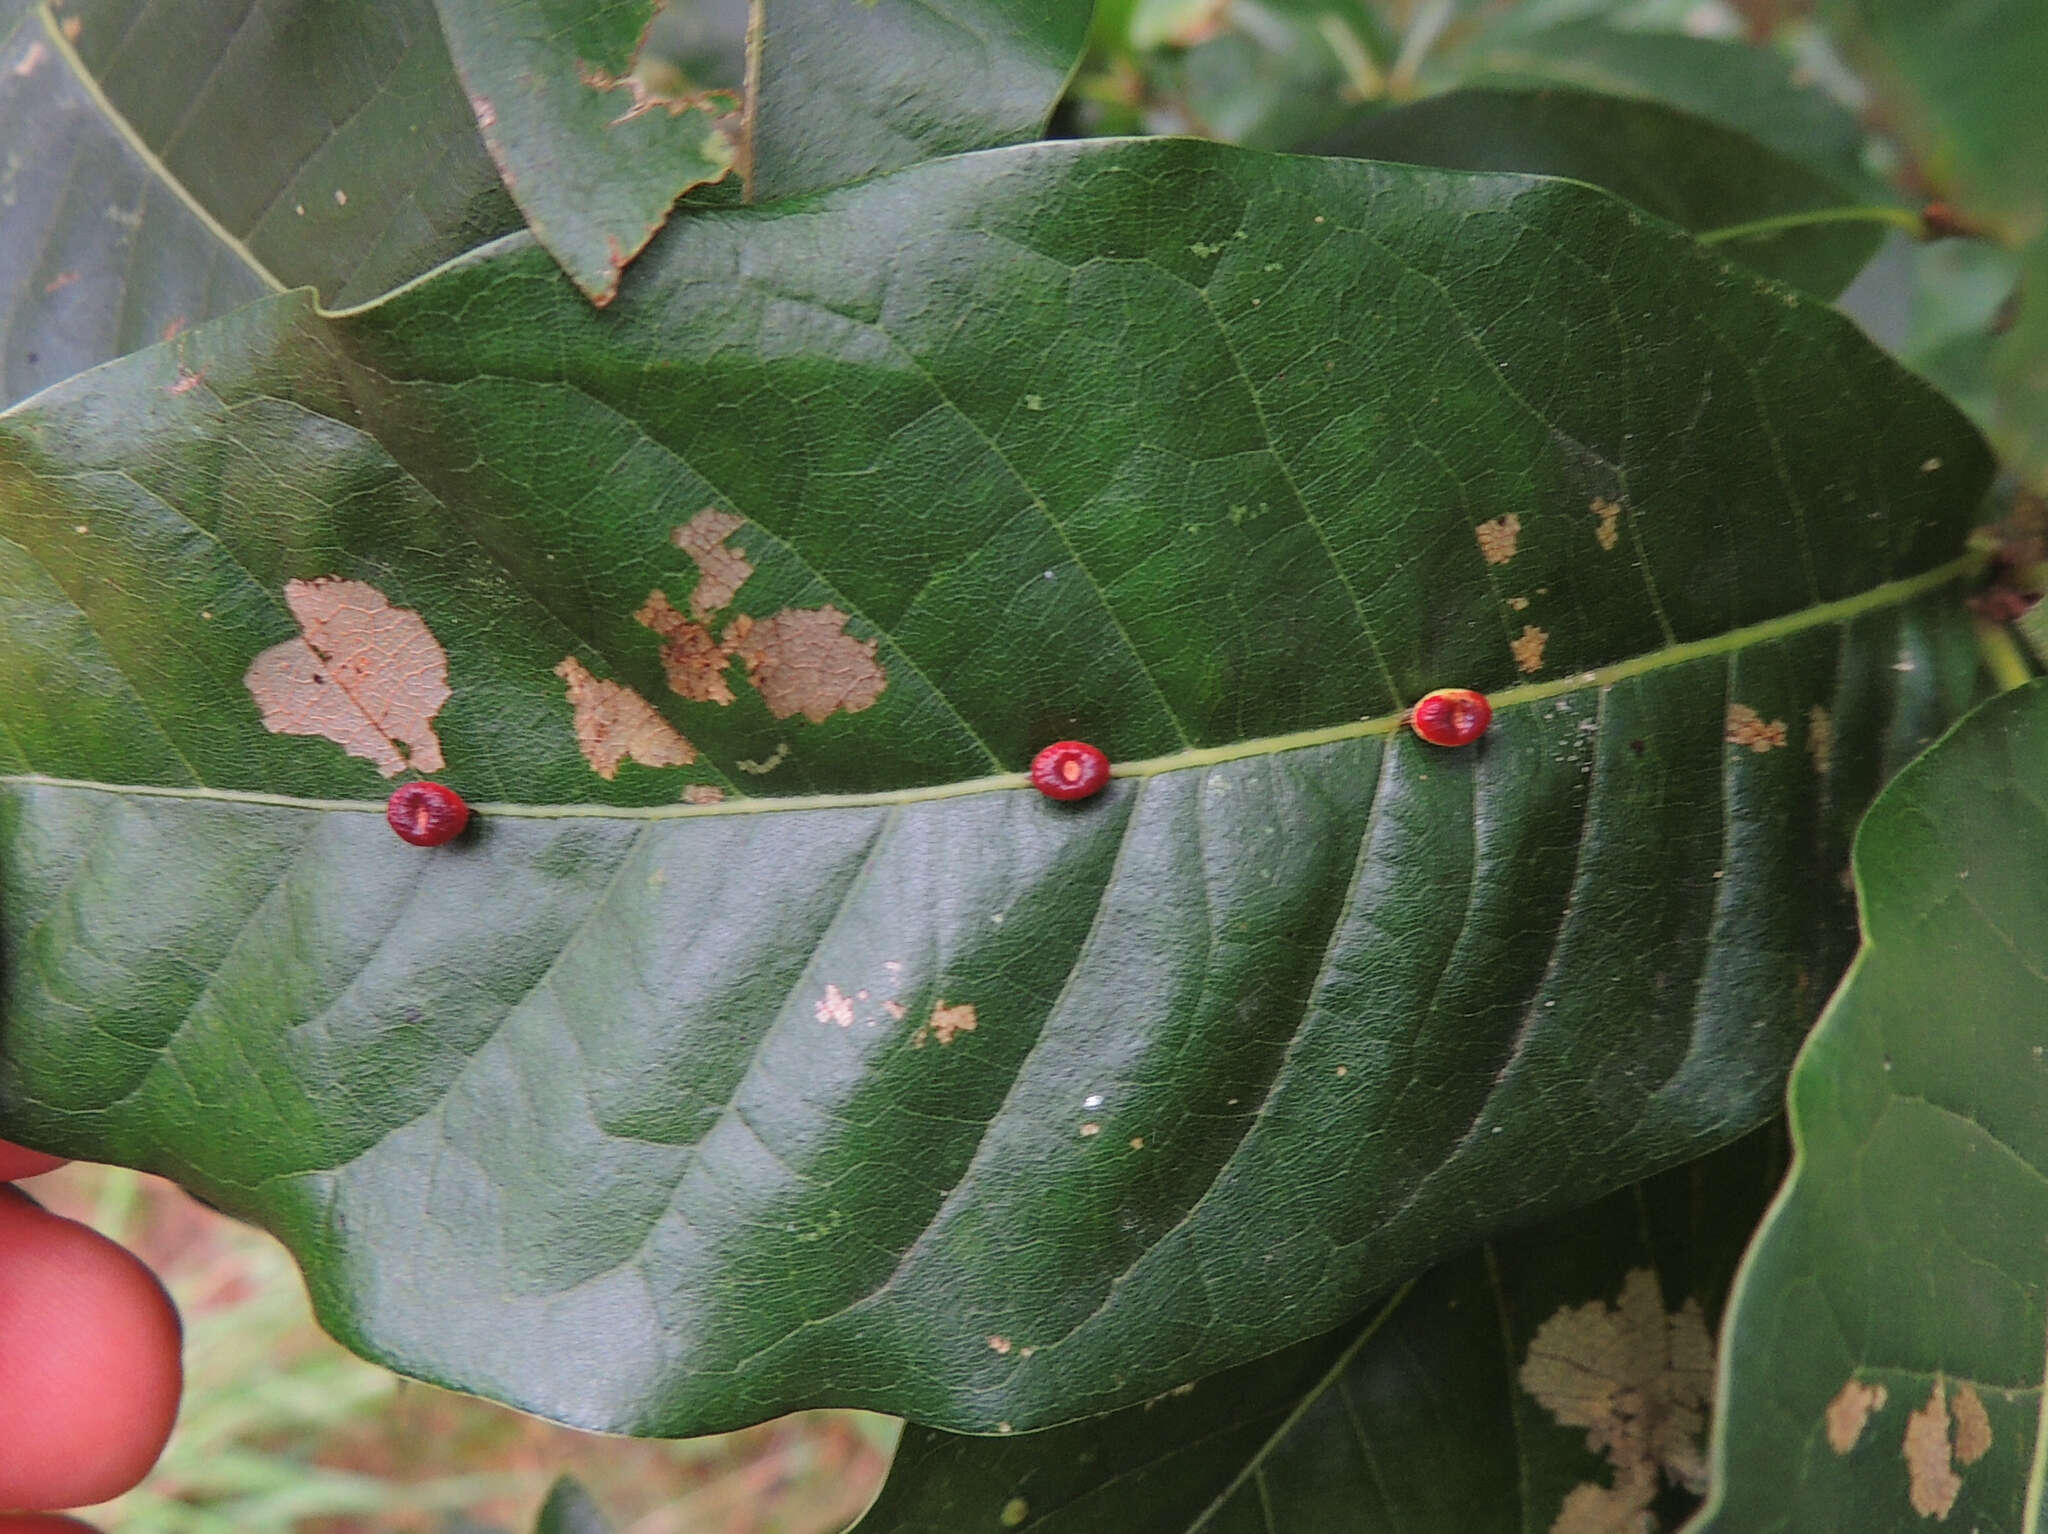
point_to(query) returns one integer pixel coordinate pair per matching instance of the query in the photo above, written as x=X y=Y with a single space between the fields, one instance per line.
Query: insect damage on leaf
x=1639 y=1381
x=721 y=571
x=1932 y=1483
x=1746 y=727
x=366 y=675
x=694 y=661
x=1849 y=1410
x=835 y=1007
x=1497 y=538
x=615 y=724
x=946 y=1024
x=1608 y=533
x=1528 y=649
x=804 y=662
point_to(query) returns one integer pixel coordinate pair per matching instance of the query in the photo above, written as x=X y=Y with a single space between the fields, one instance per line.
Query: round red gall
x=1451 y=716
x=427 y=814
x=1070 y=769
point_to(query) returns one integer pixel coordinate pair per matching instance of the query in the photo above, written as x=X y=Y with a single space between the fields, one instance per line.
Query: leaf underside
x=665 y=1117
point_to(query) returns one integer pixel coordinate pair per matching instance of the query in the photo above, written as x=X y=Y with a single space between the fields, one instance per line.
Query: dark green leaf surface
x=1415 y=1417
x=842 y=91
x=610 y=1110
x=570 y=1510
x=595 y=143
x=331 y=140
x=1763 y=209
x=98 y=254
x=1906 y=1252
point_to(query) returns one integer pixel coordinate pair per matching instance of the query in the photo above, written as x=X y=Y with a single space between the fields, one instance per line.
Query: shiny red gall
x=426 y=814
x=1069 y=769
x=1451 y=716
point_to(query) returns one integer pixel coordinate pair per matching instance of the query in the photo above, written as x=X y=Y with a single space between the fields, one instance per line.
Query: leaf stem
x=2001 y=655
x=1856 y=213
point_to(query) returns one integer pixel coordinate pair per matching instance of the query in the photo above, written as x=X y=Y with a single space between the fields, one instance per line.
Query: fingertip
x=18 y=1161
x=42 y=1523
x=90 y=1367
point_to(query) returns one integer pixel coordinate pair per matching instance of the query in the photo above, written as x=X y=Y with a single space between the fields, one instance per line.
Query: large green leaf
x=1419 y=1415
x=664 y=1115
x=595 y=142
x=843 y=90
x=1764 y=209
x=98 y=254
x=1891 y=1313
x=331 y=141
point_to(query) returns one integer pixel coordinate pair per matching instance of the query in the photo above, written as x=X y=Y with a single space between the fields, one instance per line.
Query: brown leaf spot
x=486 y=114
x=1639 y=1381
x=999 y=1344
x=366 y=675
x=174 y=327
x=804 y=662
x=1932 y=1483
x=720 y=571
x=72 y=27
x=1849 y=1410
x=703 y=793
x=59 y=283
x=1607 y=534
x=1529 y=648
x=30 y=61
x=1497 y=538
x=187 y=382
x=1519 y=604
x=946 y=1024
x=835 y=1007
x=1820 y=738
x=614 y=725
x=1746 y=727
x=694 y=661
x=895 y=1009
x=1973 y=1426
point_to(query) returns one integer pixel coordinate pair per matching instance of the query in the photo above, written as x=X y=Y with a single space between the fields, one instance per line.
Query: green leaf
x=594 y=140
x=1899 y=1278
x=98 y=255
x=570 y=1510
x=1201 y=454
x=1760 y=207
x=331 y=141
x=1419 y=1415
x=846 y=89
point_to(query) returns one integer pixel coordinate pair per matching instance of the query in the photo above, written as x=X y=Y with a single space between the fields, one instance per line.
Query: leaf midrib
x=1841 y=610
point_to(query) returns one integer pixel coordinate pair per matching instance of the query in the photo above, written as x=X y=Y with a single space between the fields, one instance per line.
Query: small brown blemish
x=1849 y=1410
x=614 y=724
x=1519 y=604
x=946 y=1024
x=486 y=114
x=895 y=1009
x=1820 y=738
x=1639 y=1381
x=694 y=662
x=187 y=382
x=1498 y=537
x=835 y=1007
x=1932 y=1483
x=1137 y=1142
x=804 y=662
x=1090 y=1131
x=366 y=675
x=721 y=571
x=30 y=61
x=703 y=793
x=1746 y=727
x=174 y=327
x=59 y=283
x=71 y=28
x=1973 y=1426
x=1529 y=648
x=999 y=1344
x=1607 y=534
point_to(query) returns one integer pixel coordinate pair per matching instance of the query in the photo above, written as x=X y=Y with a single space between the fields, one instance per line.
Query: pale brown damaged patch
x=1639 y=1381
x=703 y=793
x=804 y=662
x=1608 y=533
x=694 y=662
x=1973 y=1426
x=614 y=725
x=1850 y=1410
x=947 y=1023
x=1746 y=727
x=835 y=1007
x=721 y=571
x=1932 y=1484
x=1528 y=649
x=366 y=675
x=1498 y=538
x=1820 y=739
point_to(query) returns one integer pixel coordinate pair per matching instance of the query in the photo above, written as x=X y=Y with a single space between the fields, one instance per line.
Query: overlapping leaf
x=1419 y=1415
x=883 y=1080
x=1884 y=1367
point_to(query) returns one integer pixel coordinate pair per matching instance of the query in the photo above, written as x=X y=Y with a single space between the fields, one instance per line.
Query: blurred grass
x=283 y=1432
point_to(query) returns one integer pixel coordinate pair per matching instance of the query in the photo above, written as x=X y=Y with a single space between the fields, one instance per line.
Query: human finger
x=16 y=1162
